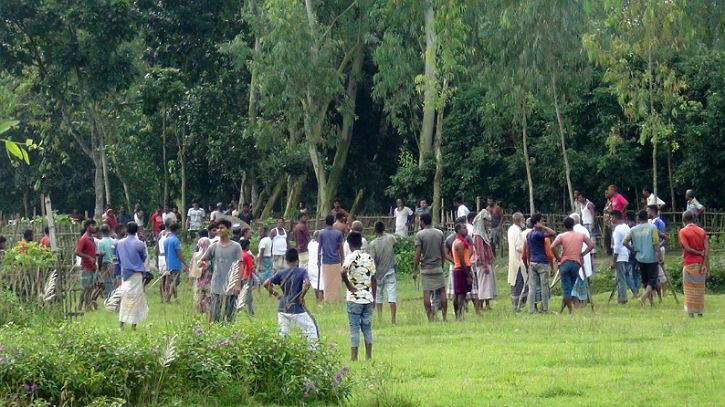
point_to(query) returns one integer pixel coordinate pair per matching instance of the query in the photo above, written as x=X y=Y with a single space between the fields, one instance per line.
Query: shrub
x=404 y=255
x=80 y=366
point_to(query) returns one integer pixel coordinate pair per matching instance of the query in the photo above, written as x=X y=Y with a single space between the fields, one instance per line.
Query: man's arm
x=656 y=244
x=341 y=250
x=592 y=208
x=665 y=239
x=346 y=281
x=416 y=261
x=270 y=289
x=627 y=242
x=548 y=231
x=374 y=286
x=445 y=255
x=706 y=260
x=590 y=247
x=181 y=257
x=79 y=253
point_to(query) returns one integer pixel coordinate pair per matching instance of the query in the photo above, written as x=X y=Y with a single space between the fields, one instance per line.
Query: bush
x=81 y=366
x=404 y=255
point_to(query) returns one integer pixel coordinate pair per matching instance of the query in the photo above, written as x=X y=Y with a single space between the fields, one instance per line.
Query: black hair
x=458 y=227
x=119 y=228
x=329 y=220
x=616 y=214
x=301 y=215
x=105 y=230
x=224 y=222
x=89 y=222
x=457 y=199
x=460 y=219
x=632 y=216
x=642 y=215
x=569 y=223
x=355 y=239
x=426 y=219
x=174 y=227
x=688 y=217
x=131 y=228
x=340 y=216
x=204 y=233
x=245 y=244
x=28 y=234
x=281 y=217
x=379 y=227
x=647 y=189
x=471 y=216
x=291 y=255
x=653 y=207
x=337 y=200
x=535 y=218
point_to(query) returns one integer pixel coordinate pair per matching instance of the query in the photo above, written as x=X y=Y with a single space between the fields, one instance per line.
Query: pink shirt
x=618 y=202
x=571 y=246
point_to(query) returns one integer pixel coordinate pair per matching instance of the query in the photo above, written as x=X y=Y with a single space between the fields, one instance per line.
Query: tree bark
x=358 y=205
x=438 y=177
x=121 y=179
x=567 y=168
x=272 y=198
x=672 y=182
x=429 y=91
x=104 y=164
x=182 y=150
x=294 y=190
x=527 y=164
x=652 y=117
x=163 y=159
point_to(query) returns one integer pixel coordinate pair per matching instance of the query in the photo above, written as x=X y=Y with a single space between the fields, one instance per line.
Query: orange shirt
x=458 y=262
x=695 y=237
x=571 y=246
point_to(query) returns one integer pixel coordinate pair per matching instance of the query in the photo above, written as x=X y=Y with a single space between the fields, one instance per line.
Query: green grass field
x=618 y=355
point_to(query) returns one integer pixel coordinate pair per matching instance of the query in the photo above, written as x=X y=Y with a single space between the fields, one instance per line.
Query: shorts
x=460 y=281
x=87 y=278
x=387 y=283
x=649 y=274
x=661 y=277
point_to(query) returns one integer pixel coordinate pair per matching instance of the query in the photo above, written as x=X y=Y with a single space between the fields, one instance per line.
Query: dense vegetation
x=279 y=101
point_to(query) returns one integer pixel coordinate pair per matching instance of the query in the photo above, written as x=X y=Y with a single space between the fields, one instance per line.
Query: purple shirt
x=537 y=246
x=131 y=256
x=330 y=241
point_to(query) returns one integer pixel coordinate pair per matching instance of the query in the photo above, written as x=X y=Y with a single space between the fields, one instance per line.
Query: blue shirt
x=171 y=244
x=660 y=225
x=291 y=281
x=537 y=246
x=644 y=238
x=330 y=241
x=131 y=256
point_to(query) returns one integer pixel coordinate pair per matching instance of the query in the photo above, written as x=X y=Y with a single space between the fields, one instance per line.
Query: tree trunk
x=294 y=190
x=182 y=162
x=163 y=159
x=567 y=168
x=272 y=199
x=358 y=205
x=527 y=164
x=104 y=164
x=318 y=165
x=121 y=179
x=652 y=117
x=438 y=177
x=252 y=111
x=669 y=173
x=429 y=92
x=98 y=183
x=257 y=196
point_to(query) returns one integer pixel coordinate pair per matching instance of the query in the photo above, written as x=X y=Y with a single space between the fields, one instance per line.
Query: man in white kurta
x=516 y=264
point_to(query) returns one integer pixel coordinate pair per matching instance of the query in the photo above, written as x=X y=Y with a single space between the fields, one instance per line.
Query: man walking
x=429 y=254
x=462 y=276
x=222 y=255
x=516 y=270
x=302 y=239
x=174 y=263
x=696 y=264
x=570 y=259
x=620 y=256
x=330 y=240
x=644 y=240
x=132 y=255
x=539 y=268
x=358 y=275
x=86 y=250
x=382 y=249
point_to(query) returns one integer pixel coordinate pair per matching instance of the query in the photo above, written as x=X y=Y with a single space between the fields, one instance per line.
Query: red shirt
x=157 y=219
x=87 y=246
x=618 y=202
x=45 y=241
x=248 y=261
x=695 y=237
x=111 y=221
x=301 y=235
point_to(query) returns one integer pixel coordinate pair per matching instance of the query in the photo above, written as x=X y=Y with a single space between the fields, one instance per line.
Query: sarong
x=432 y=279
x=134 y=307
x=460 y=282
x=332 y=282
x=518 y=290
x=486 y=283
x=580 y=288
x=693 y=284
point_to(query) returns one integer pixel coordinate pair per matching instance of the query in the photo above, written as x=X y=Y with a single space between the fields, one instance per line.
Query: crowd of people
x=338 y=264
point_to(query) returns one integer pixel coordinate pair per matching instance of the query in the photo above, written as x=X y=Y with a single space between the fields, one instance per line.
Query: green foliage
x=79 y=365
x=404 y=255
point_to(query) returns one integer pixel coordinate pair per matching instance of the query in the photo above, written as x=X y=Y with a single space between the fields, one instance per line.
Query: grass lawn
x=618 y=355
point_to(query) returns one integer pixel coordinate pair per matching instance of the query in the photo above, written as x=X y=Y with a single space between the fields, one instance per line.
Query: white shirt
x=588 y=258
x=313 y=266
x=587 y=215
x=216 y=214
x=462 y=211
x=347 y=251
x=617 y=238
x=138 y=219
x=168 y=216
x=266 y=244
x=655 y=200
x=279 y=242
x=516 y=248
x=196 y=216
x=401 y=220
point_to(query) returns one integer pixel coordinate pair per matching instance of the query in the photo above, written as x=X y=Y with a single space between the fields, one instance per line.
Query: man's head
x=219 y=206
x=426 y=219
x=121 y=210
x=211 y=229
x=237 y=230
x=90 y=226
x=166 y=208
x=652 y=211
x=168 y=222
x=470 y=217
x=577 y=192
x=340 y=217
x=245 y=208
x=105 y=230
x=354 y=239
x=642 y=216
x=28 y=235
x=491 y=201
x=245 y=244
x=262 y=231
x=195 y=203
x=399 y=203
x=336 y=204
x=280 y=222
x=423 y=203
x=569 y=223
x=457 y=201
x=291 y=255
x=615 y=216
x=687 y=217
x=379 y=227
x=222 y=227
x=246 y=233
x=316 y=234
x=575 y=216
x=581 y=198
x=329 y=220
x=689 y=194
x=120 y=230
x=131 y=228
x=302 y=218
x=158 y=208
x=518 y=218
x=300 y=205
x=174 y=228
x=137 y=207
x=529 y=224
x=646 y=192
x=357 y=226
x=537 y=220
x=460 y=229
x=631 y=216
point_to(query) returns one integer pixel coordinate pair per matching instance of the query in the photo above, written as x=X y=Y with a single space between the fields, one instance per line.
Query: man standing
x=402 y=216
x=86 y=250
x=693 y=205
x=222 y=255
x=356 y=226
x=696 y=264
x=462 y=276
x=264 y=257
x=138 y=216
x=358 y=274
x=246 y=214
x=280 y=242
x=429 y=254
x=157 y=219
x=174 y=263
x=218 y=213
x=314 y=270
x=105 y=250
x=580 y=293
x=588 y=213
x=132 y=254
x=644 y=240
x=123 y=217
x=496 y=221
x=337 y=209
x=615 y=202
x=169 y=216
x=620 y=257
x=570 y=259
x=294 y=283
x=539 y=268
x=650 y=198
x=482 y=259
x=421 y=209
x=382 y=249
x=517 y=271
x=461 y=209
x=653 y=216
x=341 y=223
x=194 y=218
x=302 y=239
x=330 y=240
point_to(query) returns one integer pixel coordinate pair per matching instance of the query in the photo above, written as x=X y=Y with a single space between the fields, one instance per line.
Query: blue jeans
x=623 y=272
x=568 y=271
x=360 y=317
x=632 y=277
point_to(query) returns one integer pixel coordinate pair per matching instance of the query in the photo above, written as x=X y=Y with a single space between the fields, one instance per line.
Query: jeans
x=229 y=302
x=623 y=271
x=360 y=317
x=568 y=271
x=539 y=276
x=632 y=277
